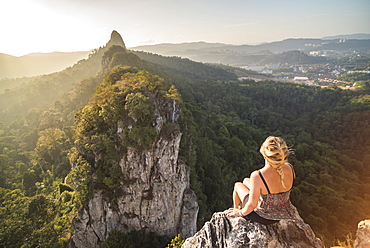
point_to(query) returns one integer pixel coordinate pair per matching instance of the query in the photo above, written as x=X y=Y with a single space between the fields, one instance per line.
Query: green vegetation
x=47 y=166
x=117 y=239
x=356 y=63
x=125 y=101
x=356 y=76
x=38 y=220
x=45 y=90
x=176 y=242
x=243 y=72
x=233 y=119
x=292 y=57
x=187 y=68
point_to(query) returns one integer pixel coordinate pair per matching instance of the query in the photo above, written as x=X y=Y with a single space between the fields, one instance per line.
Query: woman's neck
x=267 y=165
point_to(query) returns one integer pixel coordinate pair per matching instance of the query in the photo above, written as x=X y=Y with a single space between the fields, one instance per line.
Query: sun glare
x=34 y=27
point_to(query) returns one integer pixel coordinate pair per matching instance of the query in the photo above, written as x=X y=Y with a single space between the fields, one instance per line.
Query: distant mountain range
x=360 y=36
x=275 y=47
x=236 y=55
x=34 y=64
x=239 y=55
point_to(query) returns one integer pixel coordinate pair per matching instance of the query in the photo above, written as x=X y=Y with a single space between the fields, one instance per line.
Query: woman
x=264 y=197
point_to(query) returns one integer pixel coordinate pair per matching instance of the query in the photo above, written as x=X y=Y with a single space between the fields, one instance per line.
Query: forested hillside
x=327 y=129
x=226 y=121
x=22 y=95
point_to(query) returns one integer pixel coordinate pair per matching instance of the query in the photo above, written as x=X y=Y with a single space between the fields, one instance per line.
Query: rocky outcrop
x=153 y=192
x=237 y=232
x=116 y=40
x=363 y=235
x=155 y=198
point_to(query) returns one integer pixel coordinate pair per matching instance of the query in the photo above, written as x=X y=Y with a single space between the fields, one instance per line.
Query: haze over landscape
x=133 y=140
x=49 y=25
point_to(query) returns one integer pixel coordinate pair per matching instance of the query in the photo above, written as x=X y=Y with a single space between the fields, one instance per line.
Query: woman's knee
x=241 y=189
x=237 y=185
x=247 y=181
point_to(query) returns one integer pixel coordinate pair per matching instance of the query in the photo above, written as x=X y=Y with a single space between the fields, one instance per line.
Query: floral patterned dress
x=275 y=206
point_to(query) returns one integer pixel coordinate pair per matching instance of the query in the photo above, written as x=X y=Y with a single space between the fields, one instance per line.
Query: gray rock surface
x=237 y=232
x=363 y=235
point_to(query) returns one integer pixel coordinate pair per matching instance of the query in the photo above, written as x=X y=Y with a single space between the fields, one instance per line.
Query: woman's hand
x=234 y=212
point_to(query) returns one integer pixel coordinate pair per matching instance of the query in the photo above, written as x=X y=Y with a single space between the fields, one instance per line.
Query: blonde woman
x=264 y=197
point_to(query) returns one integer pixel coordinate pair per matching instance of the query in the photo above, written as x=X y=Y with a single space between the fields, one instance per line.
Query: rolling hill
x=34 y=64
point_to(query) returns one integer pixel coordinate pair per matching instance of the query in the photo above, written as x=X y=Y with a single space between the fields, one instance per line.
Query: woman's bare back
x=273 y=180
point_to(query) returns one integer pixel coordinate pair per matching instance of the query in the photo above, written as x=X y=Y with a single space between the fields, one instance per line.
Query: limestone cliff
x=142 y=185
x=237 y=232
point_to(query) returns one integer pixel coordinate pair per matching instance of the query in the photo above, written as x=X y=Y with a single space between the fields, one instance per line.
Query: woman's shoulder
x=288 y=165
x=288 y=168
x=256 y=181
x=256 y=177
x=254 y=174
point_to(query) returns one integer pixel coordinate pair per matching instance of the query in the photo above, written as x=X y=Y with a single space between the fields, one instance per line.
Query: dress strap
x=264 y=182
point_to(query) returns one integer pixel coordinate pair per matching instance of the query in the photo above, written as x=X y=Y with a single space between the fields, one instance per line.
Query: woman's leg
x=247 y=182
x=240 y=191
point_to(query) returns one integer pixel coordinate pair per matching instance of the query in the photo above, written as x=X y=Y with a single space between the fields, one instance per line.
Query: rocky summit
x=237 y=232
x=116 y=40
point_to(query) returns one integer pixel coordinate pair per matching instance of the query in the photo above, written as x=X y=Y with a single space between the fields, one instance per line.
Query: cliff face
x=157 y=198
x=153 y=192
x=236 y=232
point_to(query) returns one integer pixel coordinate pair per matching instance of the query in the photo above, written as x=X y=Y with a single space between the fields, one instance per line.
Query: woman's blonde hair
x=276 y=152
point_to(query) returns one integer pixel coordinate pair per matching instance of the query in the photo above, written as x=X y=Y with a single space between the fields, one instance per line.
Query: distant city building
x=315 y=53
x=301 y=79
x=350 y=72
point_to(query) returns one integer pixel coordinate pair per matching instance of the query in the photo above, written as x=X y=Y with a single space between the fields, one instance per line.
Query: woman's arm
x=254 y=195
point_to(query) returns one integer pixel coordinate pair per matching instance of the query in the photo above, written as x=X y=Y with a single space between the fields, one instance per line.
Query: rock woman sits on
x=264 y=197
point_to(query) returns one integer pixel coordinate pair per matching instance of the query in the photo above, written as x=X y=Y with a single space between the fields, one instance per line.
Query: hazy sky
x=79 y=25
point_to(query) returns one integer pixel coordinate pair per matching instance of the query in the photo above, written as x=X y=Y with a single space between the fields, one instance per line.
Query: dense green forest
x=227 y=120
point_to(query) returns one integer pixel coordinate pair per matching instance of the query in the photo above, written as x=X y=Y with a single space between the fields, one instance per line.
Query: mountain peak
x=116 y=39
